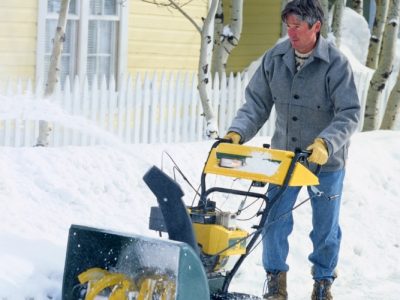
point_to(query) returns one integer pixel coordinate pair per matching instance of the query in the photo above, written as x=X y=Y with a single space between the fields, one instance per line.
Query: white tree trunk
x=229 y=37
x=337 y=21
x=375 y=41
x=385 y=68
x=218 y=30
x=54 y=69
x=325 y=27
x=392 y=112
x=204 y=70
x=283 y=25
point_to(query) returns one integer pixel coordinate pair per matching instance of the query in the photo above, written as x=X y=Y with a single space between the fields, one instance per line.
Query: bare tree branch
x=177 y=6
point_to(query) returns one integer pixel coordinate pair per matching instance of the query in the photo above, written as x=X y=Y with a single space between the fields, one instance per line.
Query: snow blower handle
x=303 y=155
x=222 y=140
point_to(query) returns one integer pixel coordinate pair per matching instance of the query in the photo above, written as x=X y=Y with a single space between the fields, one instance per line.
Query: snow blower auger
x=101 y=264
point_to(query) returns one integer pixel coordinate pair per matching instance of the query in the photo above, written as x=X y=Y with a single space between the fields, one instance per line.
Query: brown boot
x=276 y=287
x=322 y=290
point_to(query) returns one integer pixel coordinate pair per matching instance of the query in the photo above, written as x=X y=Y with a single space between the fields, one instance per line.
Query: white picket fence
x=157 y=108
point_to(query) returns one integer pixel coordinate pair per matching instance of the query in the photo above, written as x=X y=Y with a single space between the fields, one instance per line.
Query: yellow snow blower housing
x=257 y=164
x=216 y=239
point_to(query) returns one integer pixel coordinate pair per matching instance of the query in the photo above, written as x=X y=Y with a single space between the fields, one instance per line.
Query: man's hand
x=319 y=153
x=232 y=136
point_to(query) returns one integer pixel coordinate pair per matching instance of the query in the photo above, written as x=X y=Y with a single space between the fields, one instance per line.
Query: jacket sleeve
x=343 y=94
x=257 y=107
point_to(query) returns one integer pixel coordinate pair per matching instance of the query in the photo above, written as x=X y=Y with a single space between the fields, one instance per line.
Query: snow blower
x=191 y=264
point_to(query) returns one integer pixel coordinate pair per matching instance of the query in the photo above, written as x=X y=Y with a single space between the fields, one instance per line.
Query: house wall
x=18 y=36
x=158 y=38
x=261 y=30
x=162 y=38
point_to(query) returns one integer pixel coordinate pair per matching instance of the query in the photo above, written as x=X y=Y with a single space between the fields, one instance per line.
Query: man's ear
x=317 y=26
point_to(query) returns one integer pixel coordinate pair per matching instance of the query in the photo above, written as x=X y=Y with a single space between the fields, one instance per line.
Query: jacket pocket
x=316 y=103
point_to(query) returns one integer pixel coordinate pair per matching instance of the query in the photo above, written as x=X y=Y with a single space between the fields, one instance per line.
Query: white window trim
x=123 y=39
x=83 y=37
x=83 y=9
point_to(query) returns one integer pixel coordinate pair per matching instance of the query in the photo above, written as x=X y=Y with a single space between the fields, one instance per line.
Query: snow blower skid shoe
x=211 y=232
x=102 y=264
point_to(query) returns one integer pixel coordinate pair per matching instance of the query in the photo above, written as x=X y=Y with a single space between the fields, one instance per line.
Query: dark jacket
x=319 y=100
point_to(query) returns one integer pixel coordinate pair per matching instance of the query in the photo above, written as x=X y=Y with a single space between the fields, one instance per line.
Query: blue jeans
x=325 y=235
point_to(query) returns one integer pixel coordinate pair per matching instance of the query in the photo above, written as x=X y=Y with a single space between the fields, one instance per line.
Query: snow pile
x=355 y=31
x=25 y=107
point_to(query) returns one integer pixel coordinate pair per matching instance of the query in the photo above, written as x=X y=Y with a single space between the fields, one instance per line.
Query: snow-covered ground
x=45 y=190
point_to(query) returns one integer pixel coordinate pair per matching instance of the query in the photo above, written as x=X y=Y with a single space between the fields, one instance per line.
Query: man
x=311 y=85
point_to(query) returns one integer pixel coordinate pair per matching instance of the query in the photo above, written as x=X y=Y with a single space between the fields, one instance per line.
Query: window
x=102 y=41
x=95 y=38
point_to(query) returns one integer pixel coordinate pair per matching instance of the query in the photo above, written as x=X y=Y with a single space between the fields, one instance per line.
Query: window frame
x=81 y=49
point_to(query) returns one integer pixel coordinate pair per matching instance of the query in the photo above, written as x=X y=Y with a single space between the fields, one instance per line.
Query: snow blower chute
x=190 y=265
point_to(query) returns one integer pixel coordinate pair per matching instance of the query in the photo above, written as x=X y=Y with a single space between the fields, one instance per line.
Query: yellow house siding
x=158 y=37
x=161 y=38
x=18 y=31
x=261 y=30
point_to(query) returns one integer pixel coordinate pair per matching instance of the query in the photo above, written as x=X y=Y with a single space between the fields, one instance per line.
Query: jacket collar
x=321 y=51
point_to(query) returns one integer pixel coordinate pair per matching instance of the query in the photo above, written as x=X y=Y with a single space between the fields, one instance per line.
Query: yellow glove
x=233 y=136
x=319 y=153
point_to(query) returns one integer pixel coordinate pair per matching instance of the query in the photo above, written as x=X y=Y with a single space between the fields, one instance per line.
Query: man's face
x=302 y=37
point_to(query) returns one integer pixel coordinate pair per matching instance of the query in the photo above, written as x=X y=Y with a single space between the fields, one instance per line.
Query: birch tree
x=375 y=41
x=54 y=69
x=337 y=21
x=217 y=42
x=384 y=70
x=218 y=31
x=392 y=112
x=283 y=25
x=325 y=27
x=228 y=36
x=204 y=70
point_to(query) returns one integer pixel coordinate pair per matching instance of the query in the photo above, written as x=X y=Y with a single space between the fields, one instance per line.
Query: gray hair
x=309 y=11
